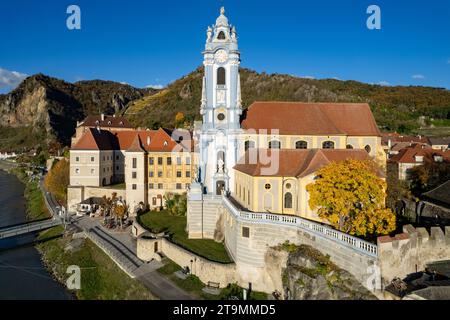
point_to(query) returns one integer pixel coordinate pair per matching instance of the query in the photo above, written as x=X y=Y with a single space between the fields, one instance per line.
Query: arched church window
x=368 y=148
x=288 y=200
x=274 y=144
x=328 y=145
x=221 y=35
x=249 y=145
x=221 y=76
x=301 y=145
x=349 y=146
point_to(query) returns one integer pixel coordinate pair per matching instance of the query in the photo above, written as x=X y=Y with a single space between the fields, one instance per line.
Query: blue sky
x=155 y=42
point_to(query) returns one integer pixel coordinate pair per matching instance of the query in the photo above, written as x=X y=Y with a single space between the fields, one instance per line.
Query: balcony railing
x=349 y=241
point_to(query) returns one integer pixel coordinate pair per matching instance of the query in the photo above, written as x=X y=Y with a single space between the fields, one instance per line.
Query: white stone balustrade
x=314 y=228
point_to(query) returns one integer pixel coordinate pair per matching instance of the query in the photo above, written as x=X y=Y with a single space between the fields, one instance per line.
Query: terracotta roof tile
x=408 y=154
x=94 y=139
x=399 y=138
x=147 y=140
x=297 y=118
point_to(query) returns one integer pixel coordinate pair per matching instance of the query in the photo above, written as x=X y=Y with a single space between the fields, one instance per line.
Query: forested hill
x=44 y=109
x=395 y=108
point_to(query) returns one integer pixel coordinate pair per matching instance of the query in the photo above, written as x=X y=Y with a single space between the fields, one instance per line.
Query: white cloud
x=384 y=83
x=307 y=77
x=10 y=79
x=124 y=83
x=155 y=86
x=418 y=76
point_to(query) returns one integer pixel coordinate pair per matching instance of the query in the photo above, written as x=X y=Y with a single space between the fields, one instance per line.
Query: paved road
x=121 y=247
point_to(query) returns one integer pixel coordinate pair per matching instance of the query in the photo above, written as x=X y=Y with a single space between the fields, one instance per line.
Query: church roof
x=298 y=118
x=294 y=162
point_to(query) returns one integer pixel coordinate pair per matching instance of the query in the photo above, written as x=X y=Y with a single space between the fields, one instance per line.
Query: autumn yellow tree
x=179 y=119
x=57 y=179
x=351 y=196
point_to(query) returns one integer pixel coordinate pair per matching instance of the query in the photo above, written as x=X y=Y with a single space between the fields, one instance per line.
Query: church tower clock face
x=221 y=56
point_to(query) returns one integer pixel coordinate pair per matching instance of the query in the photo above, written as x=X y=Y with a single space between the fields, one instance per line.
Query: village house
x=416 y=154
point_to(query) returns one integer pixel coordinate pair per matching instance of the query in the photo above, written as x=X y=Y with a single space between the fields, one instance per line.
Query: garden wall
x=204 y=269
x=411 y=250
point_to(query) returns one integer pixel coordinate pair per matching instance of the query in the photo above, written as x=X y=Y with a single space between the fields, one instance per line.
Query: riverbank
x=101 y=278
x=23 y=275
x=36 y=208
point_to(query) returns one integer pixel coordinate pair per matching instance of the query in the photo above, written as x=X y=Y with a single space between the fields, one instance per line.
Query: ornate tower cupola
x=221 y=101
x=220 y=106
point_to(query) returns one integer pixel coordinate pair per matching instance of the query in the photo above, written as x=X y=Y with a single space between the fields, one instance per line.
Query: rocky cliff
x=307 y=274
x=50 y=107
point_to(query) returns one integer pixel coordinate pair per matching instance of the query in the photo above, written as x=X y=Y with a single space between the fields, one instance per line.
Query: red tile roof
x=133 y=140
x=94 y=139
x=294 y=162
x=399 y=138
x=296 y=118
x=407 y=155
x=107 y=122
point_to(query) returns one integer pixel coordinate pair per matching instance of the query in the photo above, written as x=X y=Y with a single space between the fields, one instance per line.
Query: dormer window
x=418 y=158
x=97 y=122
x=109 y=122
x=221 y=36
x=121 y=123
x=438 y=158
x=165 y=143
x=148 y=141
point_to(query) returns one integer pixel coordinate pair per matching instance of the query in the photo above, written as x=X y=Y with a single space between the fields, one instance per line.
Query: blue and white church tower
x=220 y=108
x=217 y=136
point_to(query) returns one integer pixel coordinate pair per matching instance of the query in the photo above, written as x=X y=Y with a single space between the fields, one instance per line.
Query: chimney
x=389 y=144
x=103 y=117
x=148 y=141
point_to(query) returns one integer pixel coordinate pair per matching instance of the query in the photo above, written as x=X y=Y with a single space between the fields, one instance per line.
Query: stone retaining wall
x=204 y=269
x=411 y=250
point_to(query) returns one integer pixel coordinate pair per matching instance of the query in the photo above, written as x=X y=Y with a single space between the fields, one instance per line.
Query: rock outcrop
x=310 y=275
x=52 y=107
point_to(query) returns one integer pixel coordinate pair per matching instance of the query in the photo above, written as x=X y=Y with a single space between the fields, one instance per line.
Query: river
x=22 y=273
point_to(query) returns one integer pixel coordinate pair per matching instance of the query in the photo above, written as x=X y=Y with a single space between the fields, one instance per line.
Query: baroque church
x=262 y=157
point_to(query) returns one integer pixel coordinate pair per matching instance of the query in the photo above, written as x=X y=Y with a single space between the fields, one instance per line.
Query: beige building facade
x=143 y=165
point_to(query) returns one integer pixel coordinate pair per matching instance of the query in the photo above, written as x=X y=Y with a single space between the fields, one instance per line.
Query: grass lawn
x=176 y=228
x=101 y=278
x=36 y=208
